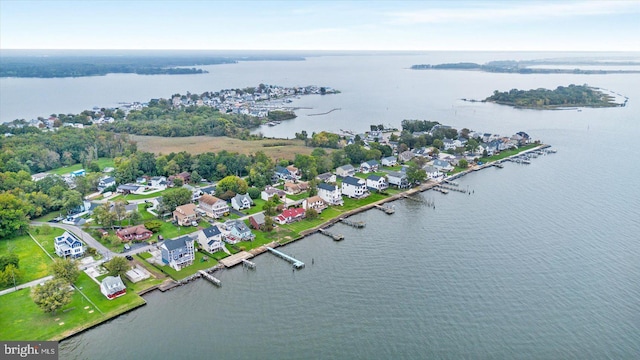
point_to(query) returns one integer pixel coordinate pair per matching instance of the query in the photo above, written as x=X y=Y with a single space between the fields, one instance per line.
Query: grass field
x=506 y=153
x=102 y=162
x=198 y=264
x=201 y=144
x=34 y=263
x=31 y=323
x=144 y=196
x=256 y=208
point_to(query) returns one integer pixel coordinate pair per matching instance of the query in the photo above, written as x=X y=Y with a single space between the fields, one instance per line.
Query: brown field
x=200 y=144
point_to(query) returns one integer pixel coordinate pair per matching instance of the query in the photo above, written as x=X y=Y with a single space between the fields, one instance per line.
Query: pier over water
x=296 y=263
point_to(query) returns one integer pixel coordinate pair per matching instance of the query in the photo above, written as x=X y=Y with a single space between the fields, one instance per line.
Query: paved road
x=84 y=236
x=26 y=285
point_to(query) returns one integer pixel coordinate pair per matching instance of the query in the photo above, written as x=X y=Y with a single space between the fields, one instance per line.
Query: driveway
x=84 y=236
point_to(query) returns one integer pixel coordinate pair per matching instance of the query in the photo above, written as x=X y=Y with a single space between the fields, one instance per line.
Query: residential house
x=316 y=203
x=405 y=156
x=106 y=182
x=212 y=206
x=270 y=192
x=178 y=253
x=377 y=182
x=432 y=172
x=292 y=188
x=68 y=245
x=185 y=214
x=354 y=187
x=77 y=173
x=290 y=215
x=257 y=220
x=345 y=170
x=398 y=179
x=295 y=172
x=112 y=287
x=134 y=233
x=281 y=173
x=369 y=166
x=158 y=182
x=210 y=239
x=389 y=161
x=130 y=189
x=241 y=202
x=327 y=177
x=238 y=231
x=331 y=194
x=185 y=176
x=450 y=144
x=195 y=193
x=211 y=190
x=39 y=176
x=442 y=165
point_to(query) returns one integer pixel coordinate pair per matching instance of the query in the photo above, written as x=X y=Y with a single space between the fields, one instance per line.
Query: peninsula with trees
x=561 y=97
x=551 y=66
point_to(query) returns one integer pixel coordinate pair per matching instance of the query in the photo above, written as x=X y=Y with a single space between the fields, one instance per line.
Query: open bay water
x=540 y=262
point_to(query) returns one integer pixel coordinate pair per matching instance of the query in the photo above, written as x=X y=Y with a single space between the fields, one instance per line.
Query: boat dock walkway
x=249 y=264
x=355 y=224
x=235 y=259
x=210 y=277
x=296 y=263
x=336 y=237
x=386 y=208
x=451 y=188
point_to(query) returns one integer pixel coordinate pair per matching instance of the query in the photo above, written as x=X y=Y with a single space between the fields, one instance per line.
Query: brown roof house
x=134 y=233
x=185 y=214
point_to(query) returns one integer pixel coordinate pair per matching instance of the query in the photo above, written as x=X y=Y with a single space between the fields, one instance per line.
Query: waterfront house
x=112 y=287
x=354 y=187
x=292 y=188
x=67 y=245
x=345 y=170
x=106 y=182
x=389 y=161
x=398 y=179
x=331 y=194
x=134 y=233
x=369 y=166
x=212 y=206
x=270 y=192
x=210 y=239
x=238 y=231
x=432 y=172
x=290 y=215
x=327 y=177
x=316 y=203
x=405 y=156
x=257 y=220
x=178 y=253
x=442 y=165
x=241 y=202
x=377 y=182
x=185 y=214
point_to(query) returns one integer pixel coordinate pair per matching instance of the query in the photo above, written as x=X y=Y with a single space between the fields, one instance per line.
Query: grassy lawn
x=34 y=263
x=302 y=195
x=49 y=216
x=31 y=323
x=350 y=204
x=258 y=203
x=145 y=255
x=506 y=153
x=142 y=285
x=46 y=240
x=198 y=264
x=146 y=216
x=365 y=176
x=102 y=162
x=144 y=196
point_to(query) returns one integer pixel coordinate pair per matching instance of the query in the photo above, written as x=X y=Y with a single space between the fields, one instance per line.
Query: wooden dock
x=355 y=224
x=210 y=277
x=249 y=264
x=386 y=208
x=336 y=237
x=235 y=259
x=451 y=188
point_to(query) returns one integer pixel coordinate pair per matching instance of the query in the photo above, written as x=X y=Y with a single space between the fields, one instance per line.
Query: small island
x=561 y=97
x=544 y=66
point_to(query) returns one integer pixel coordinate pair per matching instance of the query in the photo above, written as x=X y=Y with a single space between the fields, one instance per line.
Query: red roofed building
x=290 y=215
x=134 y=233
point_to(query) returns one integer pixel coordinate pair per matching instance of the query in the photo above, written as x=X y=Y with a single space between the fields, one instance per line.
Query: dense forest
x=562 y=96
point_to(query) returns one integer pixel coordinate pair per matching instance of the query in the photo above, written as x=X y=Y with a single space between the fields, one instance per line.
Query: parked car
x=194 y=223
x=127 y=247
x=129 y=257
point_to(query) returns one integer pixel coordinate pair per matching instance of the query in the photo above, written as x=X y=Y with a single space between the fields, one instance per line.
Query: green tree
x=463 y=163
x=65 y=269
x=254 y=193
x=438 y=144
x=104 y=216
x=9 y=259
x=10 y=276
x=233 y=183
x=175 y=197
x=268 y=224
x=178 y=182
x=117 y=266
x=153 y=225
x=13 y=215
x=52 y=295
x=269 y=208
x=415 y=174
x=311 y=214
x=134 y=217
x=71 y=199
x=195 y=177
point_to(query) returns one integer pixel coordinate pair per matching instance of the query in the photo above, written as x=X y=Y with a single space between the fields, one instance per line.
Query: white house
x=327 y=177
x=354 y=187
x=389 y=161
x=210 y=239
x=67 y=245
x=241 y=202
x=369 y=166
x=331 y=194
x=432 y=172
x=130 y=189
x=106 y=182
x=377 y=182
x=212 y=206
x=345 y=170
x=398 y=179
x=270 y=192
x=442 y=165
x=112 y=287
x=158 y=182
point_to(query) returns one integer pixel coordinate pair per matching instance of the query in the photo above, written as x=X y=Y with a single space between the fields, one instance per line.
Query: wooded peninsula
x=535 y=67
x=562 y=96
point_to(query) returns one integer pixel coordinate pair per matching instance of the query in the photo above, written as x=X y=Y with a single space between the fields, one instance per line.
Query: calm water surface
x=540 y=262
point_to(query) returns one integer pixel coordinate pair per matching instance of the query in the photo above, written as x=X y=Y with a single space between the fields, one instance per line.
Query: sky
x=612 y=25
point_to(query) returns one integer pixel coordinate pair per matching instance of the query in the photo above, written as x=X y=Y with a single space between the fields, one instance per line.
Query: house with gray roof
x=331 y=194
x=68 y=245
x=369 y=166
x=345 y=170
x=257 y=220
x=241 y=201
x=377 y=182
x=112 y=287
x=398 y=179
x=354 y=187
x=238 y=231
x=178 y=253
x=210 y=239
x=389 y=161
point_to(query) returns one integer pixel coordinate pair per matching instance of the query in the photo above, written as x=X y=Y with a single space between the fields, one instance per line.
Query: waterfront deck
x=233 y=260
